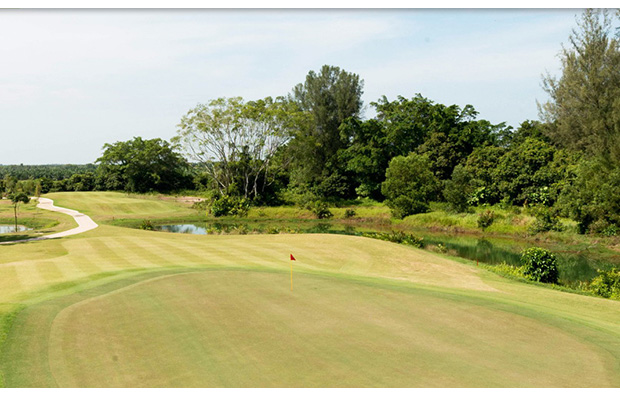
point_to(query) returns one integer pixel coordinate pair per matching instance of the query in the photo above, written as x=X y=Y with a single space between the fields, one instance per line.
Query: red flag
x=293 y=258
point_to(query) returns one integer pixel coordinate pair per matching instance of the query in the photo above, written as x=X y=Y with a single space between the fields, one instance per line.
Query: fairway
x=246 y=329
x=118 y=307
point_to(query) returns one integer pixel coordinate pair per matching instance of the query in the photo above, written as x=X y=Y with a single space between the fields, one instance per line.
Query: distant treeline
x=52 y=172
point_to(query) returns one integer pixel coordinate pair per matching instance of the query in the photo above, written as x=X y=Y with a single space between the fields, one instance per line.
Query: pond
x=11 y=228
x=575 y=263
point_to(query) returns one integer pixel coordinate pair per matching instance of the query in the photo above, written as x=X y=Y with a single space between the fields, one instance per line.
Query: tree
x=17 y=198
x=367 y=155
x=235 y=142
x=584 y=106
x=482 y=165
x=523 y=170
x=409 y=185
x=330 y=97
x=407 y=122
x=139 y=166
x=446 y=134
x=527 y=129
x=458 y=190
x=592 y=197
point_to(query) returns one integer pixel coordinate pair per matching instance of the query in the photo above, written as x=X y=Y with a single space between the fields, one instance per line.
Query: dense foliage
x=409 y=185
x=607 y=284
x=540 y=265
x=142 y=166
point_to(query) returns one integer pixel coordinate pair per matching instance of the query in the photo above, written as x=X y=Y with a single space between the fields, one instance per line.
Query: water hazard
x=575 y=263
x=11 y=228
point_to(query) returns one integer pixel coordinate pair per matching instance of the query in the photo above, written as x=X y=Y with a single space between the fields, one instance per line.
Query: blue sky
x=71 y=81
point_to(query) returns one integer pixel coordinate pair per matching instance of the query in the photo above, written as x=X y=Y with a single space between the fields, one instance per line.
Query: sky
x=73 y=80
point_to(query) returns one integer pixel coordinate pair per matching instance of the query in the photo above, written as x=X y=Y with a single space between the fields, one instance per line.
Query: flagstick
x=291 y=276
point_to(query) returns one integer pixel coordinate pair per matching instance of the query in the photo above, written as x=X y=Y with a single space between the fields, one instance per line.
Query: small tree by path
x=17 y=198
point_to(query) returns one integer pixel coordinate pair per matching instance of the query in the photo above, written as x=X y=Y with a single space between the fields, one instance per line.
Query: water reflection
x=11 y=228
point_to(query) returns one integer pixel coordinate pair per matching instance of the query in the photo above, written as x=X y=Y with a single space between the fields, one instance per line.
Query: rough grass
x=124 y=307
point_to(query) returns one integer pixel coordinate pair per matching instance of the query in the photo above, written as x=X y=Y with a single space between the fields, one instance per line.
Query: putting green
x=247 y=329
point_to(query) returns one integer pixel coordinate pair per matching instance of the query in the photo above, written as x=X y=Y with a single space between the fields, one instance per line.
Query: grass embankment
x=123 y=307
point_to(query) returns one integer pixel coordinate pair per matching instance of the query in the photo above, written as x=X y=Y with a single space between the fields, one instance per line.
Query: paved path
x=84 y=222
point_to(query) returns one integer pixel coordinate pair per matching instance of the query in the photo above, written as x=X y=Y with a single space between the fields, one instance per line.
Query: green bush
x=349 y=213
x=201 y=205
x=320 y=210
x=607 y=284
x=486 y=219
x=399 y=237
x=516 y=271
x=146 y=225
x=604 y=228
x=403 y=206
x=540 y=265
x=545 y=221
x=230 y=205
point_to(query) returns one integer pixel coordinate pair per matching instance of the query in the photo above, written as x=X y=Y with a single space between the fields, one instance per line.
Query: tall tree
x=330 y=96
x=235 y=142
x=16 y=199
x=584 y=105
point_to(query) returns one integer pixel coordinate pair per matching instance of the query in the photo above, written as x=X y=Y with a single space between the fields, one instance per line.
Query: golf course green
x=120 y=307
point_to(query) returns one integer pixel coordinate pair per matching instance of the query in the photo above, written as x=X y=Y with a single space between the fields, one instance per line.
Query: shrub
x=201 y=205
x=607 y=284
x=604 y=228
x=540 y=265
x=403 y=206
x=146 y=225
x=486 y=219
x=545 y=222
x=230 y=205
x=399 y=237
x=349 y=213
x=516 y=271
x=320 y=210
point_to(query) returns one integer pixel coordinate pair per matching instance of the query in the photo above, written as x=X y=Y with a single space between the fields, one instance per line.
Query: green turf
x=113 y=205
x=125 y=307
x=247 y=329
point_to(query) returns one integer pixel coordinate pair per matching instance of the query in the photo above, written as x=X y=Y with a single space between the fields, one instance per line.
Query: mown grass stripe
x=28 y=276
x=49 y=271
x=9 y=278
x=191 y=254
x=107 y=258
x=137 y=254
x=211 y=254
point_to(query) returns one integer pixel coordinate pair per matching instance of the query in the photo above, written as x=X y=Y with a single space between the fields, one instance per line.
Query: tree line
x=312 y=147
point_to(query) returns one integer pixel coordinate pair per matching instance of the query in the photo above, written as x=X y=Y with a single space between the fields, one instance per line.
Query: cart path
x=84 y=222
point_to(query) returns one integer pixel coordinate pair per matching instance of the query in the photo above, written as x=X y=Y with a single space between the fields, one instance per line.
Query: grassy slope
x=104 y=206
x=364 y=312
